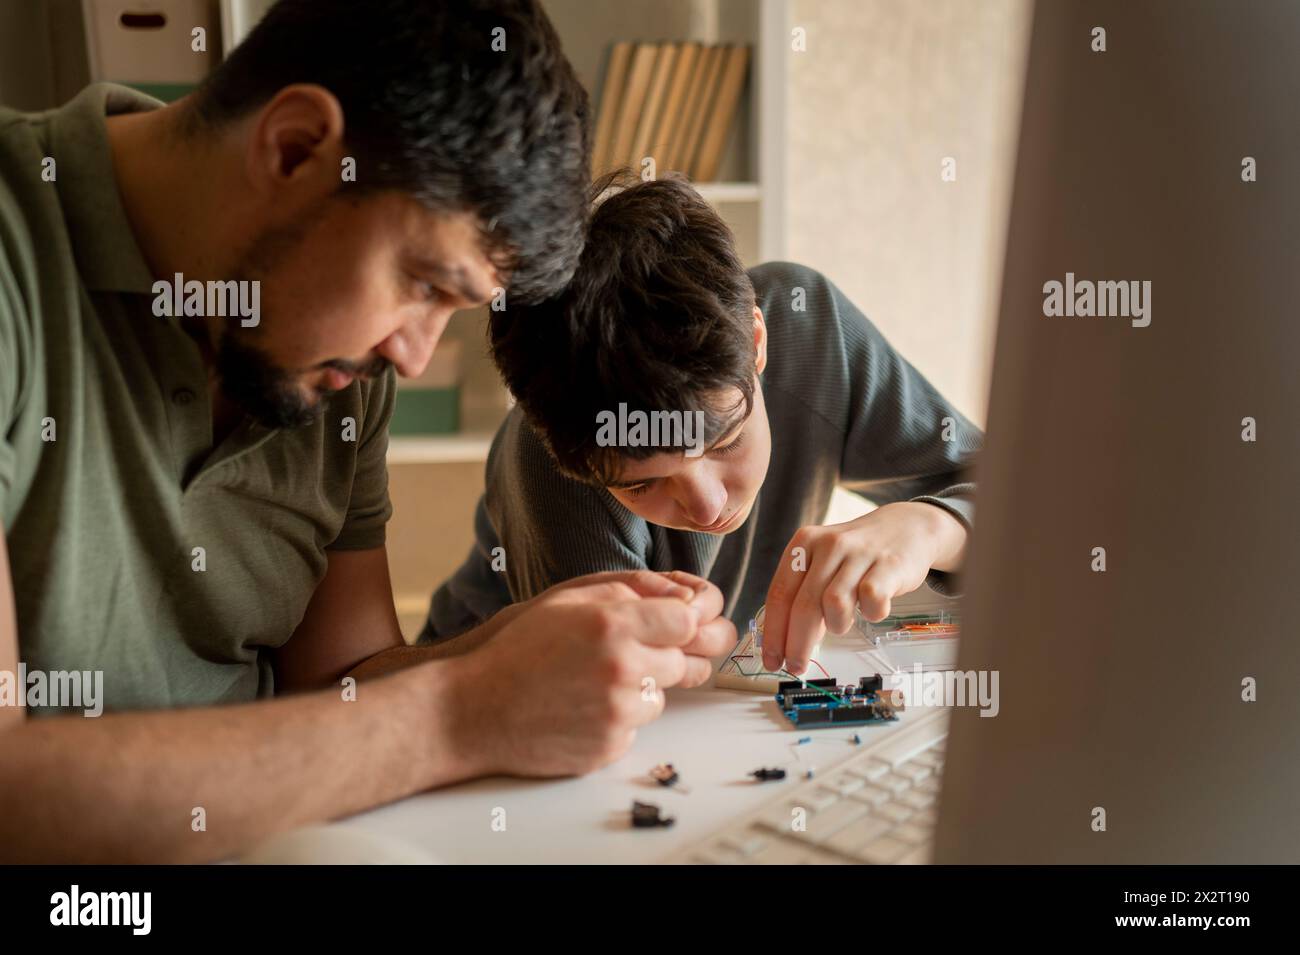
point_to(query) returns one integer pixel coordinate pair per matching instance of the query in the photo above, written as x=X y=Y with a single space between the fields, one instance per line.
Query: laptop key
x=717 y=855
x=870 y=771
x=825 y=824
x=856 y=835
x=846 y=785
x=781 y=852
x=914 y=771
x=746 y=842
x=780 y=819
x=913 y=834
x=817 y=800
x=872 y=796
x=895 y=784
x=883 y=851
x=894 y=812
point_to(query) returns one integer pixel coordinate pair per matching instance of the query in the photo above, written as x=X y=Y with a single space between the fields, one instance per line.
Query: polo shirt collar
x=108 y=256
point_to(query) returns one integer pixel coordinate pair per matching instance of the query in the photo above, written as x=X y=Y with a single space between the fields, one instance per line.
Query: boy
x=796 y=392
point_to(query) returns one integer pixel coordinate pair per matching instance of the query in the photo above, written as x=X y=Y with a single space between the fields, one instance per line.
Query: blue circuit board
x=818 y=703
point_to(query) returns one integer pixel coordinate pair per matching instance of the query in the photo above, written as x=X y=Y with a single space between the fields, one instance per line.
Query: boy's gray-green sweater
x=844 y=409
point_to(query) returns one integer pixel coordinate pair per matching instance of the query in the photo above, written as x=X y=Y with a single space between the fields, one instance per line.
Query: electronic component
x=743 y=668
x=814 y=703
x=646 y=816
x=926 y=637
x=764 y=775
x=930 y=624
x=664 y=774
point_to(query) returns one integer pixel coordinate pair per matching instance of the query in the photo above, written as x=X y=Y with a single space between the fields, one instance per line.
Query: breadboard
x=745 y=659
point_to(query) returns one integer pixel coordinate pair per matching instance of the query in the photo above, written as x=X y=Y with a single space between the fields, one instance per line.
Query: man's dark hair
x=432 y=110
x=658 y=315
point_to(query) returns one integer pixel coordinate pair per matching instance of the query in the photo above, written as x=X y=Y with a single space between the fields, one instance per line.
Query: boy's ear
x=760 y=341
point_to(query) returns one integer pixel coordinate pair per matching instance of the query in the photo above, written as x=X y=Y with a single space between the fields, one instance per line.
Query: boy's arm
x=903 y=440
x=905 y=447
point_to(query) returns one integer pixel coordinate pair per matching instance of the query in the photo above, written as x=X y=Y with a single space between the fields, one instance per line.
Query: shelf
x=729 y=191
x=461 y=448
x=716 y=192
x=751 y=190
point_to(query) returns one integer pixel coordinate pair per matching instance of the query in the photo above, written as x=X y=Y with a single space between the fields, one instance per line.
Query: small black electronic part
x=647 y=816
x=826 y=683
x=764 y=775
x=665 y=775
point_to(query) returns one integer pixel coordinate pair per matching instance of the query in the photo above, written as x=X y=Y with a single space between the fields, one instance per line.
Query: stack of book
x=672 y=102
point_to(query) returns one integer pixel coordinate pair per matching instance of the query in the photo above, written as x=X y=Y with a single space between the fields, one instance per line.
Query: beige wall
x=885 y=90
x=430 y=533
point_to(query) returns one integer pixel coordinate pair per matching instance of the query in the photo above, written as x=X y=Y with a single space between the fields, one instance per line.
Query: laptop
x=1132 y=569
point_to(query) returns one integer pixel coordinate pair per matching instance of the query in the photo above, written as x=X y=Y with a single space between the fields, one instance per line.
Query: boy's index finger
x=708 y=599
x=685 y=578
x=776 y=615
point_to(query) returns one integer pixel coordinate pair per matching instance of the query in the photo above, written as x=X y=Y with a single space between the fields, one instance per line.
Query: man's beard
x=250 y=377
x=267 y=392
x=271 y=394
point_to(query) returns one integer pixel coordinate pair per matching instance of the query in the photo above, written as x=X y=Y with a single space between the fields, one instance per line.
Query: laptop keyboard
x=878 y=807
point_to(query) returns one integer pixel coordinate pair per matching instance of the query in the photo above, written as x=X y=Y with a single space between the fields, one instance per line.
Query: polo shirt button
x=182 y=396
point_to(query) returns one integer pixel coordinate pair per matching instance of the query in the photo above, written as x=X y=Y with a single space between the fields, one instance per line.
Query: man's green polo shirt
x=109 y=484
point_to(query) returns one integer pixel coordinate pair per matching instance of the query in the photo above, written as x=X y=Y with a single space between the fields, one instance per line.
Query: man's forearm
x=128 y=787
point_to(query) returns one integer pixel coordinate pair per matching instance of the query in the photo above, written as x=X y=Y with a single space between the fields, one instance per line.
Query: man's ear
x=296 y=141
x=760 y=341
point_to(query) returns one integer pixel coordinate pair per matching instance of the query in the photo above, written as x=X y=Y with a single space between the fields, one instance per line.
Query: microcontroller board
x=814 y=703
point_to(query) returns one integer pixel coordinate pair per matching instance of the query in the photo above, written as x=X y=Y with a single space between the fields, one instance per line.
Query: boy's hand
x=827 y=571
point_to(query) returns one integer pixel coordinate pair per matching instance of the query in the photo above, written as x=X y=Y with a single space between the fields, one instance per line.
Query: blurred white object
x=150 y=42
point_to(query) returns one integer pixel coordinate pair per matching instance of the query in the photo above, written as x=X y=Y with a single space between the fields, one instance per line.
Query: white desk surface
x=713 y=737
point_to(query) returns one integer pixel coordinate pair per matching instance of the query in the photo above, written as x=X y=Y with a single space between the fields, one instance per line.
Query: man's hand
x=563 y=686
x=865 y=563
x=716 y=636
